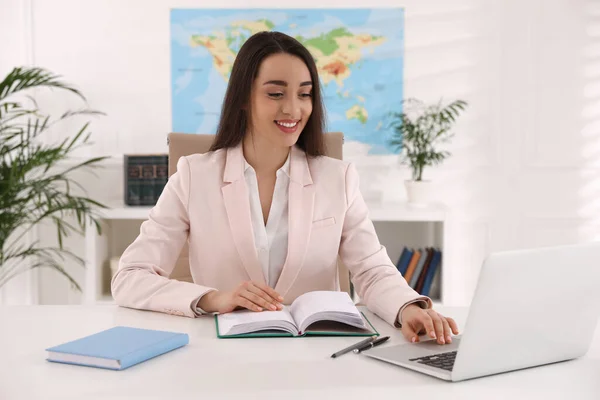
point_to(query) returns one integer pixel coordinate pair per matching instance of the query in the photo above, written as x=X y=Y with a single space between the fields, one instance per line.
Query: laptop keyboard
x=441 y=360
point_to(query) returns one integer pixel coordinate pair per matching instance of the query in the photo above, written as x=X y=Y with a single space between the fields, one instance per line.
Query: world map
x=358 y=52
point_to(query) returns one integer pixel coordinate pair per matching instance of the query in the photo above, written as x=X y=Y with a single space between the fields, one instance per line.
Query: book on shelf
x=404 y=260
x=412 y=265
x=435 y=288
x=145 y=178
x=318 y=313
x=431 y=272
x=419 y=284
x=420 y=268
x=412 y=281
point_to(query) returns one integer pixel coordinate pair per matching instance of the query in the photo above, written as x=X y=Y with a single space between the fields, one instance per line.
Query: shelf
x=398 y=225
x=406 y=212
x=139 y=212
x=377 y=212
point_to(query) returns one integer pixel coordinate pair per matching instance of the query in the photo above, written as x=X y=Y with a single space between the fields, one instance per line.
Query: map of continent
x=358 y=53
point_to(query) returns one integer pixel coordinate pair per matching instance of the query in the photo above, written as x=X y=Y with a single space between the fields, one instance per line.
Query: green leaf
x=420 y=128
x=33 y=189
x=23 y=78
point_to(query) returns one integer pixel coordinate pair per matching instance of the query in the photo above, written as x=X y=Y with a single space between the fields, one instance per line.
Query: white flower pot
x=419 y=192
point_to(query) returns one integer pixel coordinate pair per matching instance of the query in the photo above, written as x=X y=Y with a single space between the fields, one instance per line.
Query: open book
x=325 y=313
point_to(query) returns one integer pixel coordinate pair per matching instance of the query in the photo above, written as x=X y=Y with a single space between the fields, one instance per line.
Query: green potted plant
x=418 y=131
x=35 y=184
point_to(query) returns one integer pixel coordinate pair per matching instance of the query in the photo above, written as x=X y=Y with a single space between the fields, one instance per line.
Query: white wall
x=524 y=170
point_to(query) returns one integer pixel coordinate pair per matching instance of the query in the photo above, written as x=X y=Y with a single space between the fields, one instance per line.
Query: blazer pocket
x=323 y=222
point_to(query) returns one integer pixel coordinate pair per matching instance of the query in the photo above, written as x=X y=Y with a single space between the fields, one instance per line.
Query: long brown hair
x=234 y=115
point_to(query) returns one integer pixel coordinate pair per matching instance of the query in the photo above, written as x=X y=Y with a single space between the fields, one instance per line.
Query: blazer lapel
x=301 y=195
x=237 y=205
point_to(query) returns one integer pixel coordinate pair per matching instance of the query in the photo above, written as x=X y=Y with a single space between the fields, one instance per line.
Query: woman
x=265 y=213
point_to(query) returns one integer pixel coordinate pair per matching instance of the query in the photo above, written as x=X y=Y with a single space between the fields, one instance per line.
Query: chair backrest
x=184 y=144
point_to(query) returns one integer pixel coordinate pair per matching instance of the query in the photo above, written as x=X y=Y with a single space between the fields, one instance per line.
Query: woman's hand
x=251 y=295
x=416 y=320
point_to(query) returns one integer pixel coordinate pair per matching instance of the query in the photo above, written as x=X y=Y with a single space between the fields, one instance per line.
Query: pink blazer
x=206 y=203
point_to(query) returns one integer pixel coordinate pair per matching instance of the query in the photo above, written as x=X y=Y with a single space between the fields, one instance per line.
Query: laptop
x=531 y=307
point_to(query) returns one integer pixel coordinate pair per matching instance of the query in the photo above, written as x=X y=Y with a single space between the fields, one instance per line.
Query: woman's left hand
x=416 y=321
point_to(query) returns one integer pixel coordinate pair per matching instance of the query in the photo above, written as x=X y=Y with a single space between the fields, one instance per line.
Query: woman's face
x=281 y=100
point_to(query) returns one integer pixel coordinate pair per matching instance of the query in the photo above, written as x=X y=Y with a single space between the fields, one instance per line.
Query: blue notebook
x=117 y=348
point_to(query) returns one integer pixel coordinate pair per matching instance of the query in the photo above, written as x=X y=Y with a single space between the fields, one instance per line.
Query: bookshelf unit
x=397 y=225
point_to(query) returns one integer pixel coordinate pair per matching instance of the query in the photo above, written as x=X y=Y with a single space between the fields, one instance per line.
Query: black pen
x=374 y=343
x=354 y=346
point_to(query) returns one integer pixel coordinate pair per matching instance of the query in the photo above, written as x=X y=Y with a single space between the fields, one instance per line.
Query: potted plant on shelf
x=418 y=131
x=33 y=186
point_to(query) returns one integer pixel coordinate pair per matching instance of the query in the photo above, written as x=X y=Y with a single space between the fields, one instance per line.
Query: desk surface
x=214 y=368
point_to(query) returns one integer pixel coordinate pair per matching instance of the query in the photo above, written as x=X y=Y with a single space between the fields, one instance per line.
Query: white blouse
x=271 y=241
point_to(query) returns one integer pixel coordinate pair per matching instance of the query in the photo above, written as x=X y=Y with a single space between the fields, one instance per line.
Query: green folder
x=320 y=328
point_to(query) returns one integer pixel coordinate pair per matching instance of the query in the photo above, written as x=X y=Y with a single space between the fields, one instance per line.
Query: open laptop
x=531 y=307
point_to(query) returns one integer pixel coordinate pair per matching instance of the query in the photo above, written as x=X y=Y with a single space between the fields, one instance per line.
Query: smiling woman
x=272 y=66
x=265 y=213
x=279 y=108
x=274 y=95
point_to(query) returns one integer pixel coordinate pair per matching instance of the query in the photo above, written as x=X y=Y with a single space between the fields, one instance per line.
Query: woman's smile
x=287 y=125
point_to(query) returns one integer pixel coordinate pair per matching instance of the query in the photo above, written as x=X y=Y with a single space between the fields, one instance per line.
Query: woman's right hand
x=250 y=295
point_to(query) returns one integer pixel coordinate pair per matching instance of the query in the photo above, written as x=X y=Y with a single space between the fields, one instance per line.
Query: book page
x=325 y=305
x=246 y=321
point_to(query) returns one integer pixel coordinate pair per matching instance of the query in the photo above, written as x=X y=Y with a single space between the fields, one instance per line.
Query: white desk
x=211 y=368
